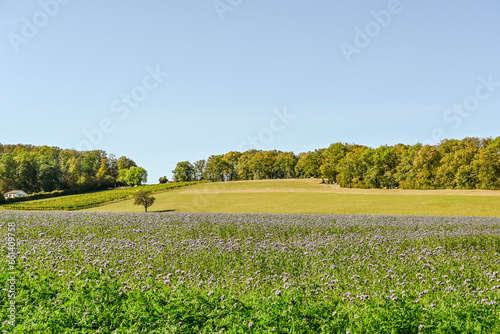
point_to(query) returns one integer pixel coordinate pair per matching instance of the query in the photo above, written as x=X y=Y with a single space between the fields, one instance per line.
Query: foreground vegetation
x=471 y=163
x=252 y=273
x=82 y=201
x=310 y=196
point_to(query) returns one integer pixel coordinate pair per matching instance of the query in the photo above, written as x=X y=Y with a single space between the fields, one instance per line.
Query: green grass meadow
x=309 y=196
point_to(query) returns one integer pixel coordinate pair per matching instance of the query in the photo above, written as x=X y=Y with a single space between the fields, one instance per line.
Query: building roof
x=14 y=192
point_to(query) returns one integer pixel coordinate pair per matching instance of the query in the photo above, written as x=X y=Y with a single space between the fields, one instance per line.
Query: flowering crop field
x=88 y=200
x=248 y=273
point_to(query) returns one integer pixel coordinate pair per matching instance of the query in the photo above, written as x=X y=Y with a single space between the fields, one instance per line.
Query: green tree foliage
x=285 y=165
x=230 y=161
x=456 y=169
x=381 y=166
x=163 y=180
x=27 y=172
x=427 y=162
x=487 y=166
x=405 y=170
x=309 y=164
x=91 y=161
x=8 y=174
x=125 y=163
x=245 y=165
x=134 y=176
x=43 y=168
x=215 y=168
x=456 y=164
x=183 y=172
x=200 y=170
x=331 y=157
x=104 y=176
x=49 y=168
x=263 y=165
x=352 y=168
x=67 y=158
x=144 y=199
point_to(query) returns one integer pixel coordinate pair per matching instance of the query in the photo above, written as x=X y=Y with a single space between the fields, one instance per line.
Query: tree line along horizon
x=470 y=163
x=46 y=169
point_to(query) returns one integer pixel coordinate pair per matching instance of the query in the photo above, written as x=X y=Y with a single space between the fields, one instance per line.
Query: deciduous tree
x=134 y=176
x=184 y=171
x=144 y=199
x=215 y=168
x=331 y=158
x=285 y=165
x=200 y=170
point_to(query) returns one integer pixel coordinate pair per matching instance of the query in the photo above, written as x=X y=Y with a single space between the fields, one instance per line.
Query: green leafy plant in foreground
x=211 y=273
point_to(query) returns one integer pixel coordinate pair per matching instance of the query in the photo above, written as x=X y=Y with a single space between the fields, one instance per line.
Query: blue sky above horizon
x=168 y=81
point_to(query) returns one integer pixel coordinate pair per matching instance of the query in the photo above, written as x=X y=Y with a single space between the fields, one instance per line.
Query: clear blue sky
x=366 y=72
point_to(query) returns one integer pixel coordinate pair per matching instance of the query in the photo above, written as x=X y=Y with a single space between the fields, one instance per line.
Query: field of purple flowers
x=248 y=273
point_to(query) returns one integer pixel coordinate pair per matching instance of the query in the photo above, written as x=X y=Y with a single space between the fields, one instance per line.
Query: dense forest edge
x=43 y=171
x=470 y=163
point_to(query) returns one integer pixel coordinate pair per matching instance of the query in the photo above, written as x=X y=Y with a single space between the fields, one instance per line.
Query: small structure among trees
x=15 y=193
x=144 y=199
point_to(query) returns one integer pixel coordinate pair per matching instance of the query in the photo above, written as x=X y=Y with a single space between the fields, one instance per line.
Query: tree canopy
x=470 y=163
x=144 y=199
x=43 y=168
x=184 y=171
x=133 y=176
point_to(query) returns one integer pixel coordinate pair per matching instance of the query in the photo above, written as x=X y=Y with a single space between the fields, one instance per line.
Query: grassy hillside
x=310 y=196
x=87 y=200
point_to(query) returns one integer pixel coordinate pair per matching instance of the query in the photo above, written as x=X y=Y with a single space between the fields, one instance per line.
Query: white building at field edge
x=15 y=193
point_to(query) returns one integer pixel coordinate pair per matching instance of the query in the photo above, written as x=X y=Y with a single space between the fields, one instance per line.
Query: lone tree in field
x=144 y=199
